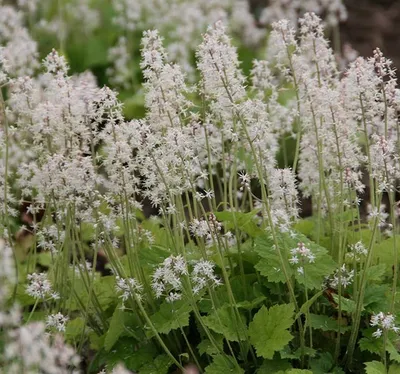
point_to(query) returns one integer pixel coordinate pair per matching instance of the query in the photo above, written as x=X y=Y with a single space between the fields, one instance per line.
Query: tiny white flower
x=377 y=333
x=40 y=287
x=128 y=287
x=384 y=322
x=58 y=321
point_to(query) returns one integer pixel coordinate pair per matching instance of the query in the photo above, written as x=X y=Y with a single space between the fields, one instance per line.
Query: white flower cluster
x=384 y=322
x=326 y=110
x=341 y=276
x=30 y=350
x=142 y=14
x=128 y=288
x=30 y=6
x=333 y=10
x=301 y=255
x=40 y=287
x=237 y=116
x=245 y=180
x=379 y=214
x=82 y=268
x=62 y=24
x=384 y=162
x=167 y=278
x=48 y=237
x=7 y=271
x=120 y=72
x=7 y=278
x=9 y=317
x=19 y=51
x=57 y=321
x=7 y=208
x=203 y=276
x=283 y=198
x=3 y=68
x=266 y=88
x=209 y=228
x=357 y=251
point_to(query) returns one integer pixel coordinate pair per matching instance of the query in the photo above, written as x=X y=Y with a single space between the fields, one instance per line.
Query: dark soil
x=371 y=24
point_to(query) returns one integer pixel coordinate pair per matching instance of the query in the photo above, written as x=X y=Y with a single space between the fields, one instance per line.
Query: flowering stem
x=308 y=309
x=360 y=298
x=33 y=310
x=384 y=356
x=157 y=335
x=190 y=348
x=395 y=253
x=297 y=118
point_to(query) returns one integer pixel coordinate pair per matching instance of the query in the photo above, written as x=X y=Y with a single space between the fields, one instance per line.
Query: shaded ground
x=371 y=24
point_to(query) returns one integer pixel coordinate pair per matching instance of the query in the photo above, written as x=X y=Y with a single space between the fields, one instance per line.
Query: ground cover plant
x=176 y=242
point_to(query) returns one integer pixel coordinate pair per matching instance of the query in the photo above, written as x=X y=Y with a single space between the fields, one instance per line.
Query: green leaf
x=251 y=304
x=393 y=352
x=170 y=316
x=375 y=273
x=96 y=341
x=323 y=364
x=305 y=226
x=337 y=370
x=104 y=287
x=243 y=221
x=298 y=371
x=153 y=256
x=269 y=329
x=271 y=268
x=225 y=321
x=348 y=305
x=273 y=366
x=363 y=234
x=246 y=290
x=311 y=352
x=270 y=264
x=22 y=297
x=383 y=253
x=369 y=343
x=206 y=346
x=39 y=315
x=325 y=323
x=375 y=367
x=306 y=306
x=376 y=297
x=221 y=294
x=160 y=365
x=119 y=320
x=74 y=328
x=139 y=357
x=126 y=351
x=223 y=364
x=44 y=259
x=286 y=353
x=394 y=369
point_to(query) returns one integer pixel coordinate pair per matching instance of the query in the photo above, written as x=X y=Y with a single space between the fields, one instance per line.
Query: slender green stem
x=32 y=311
